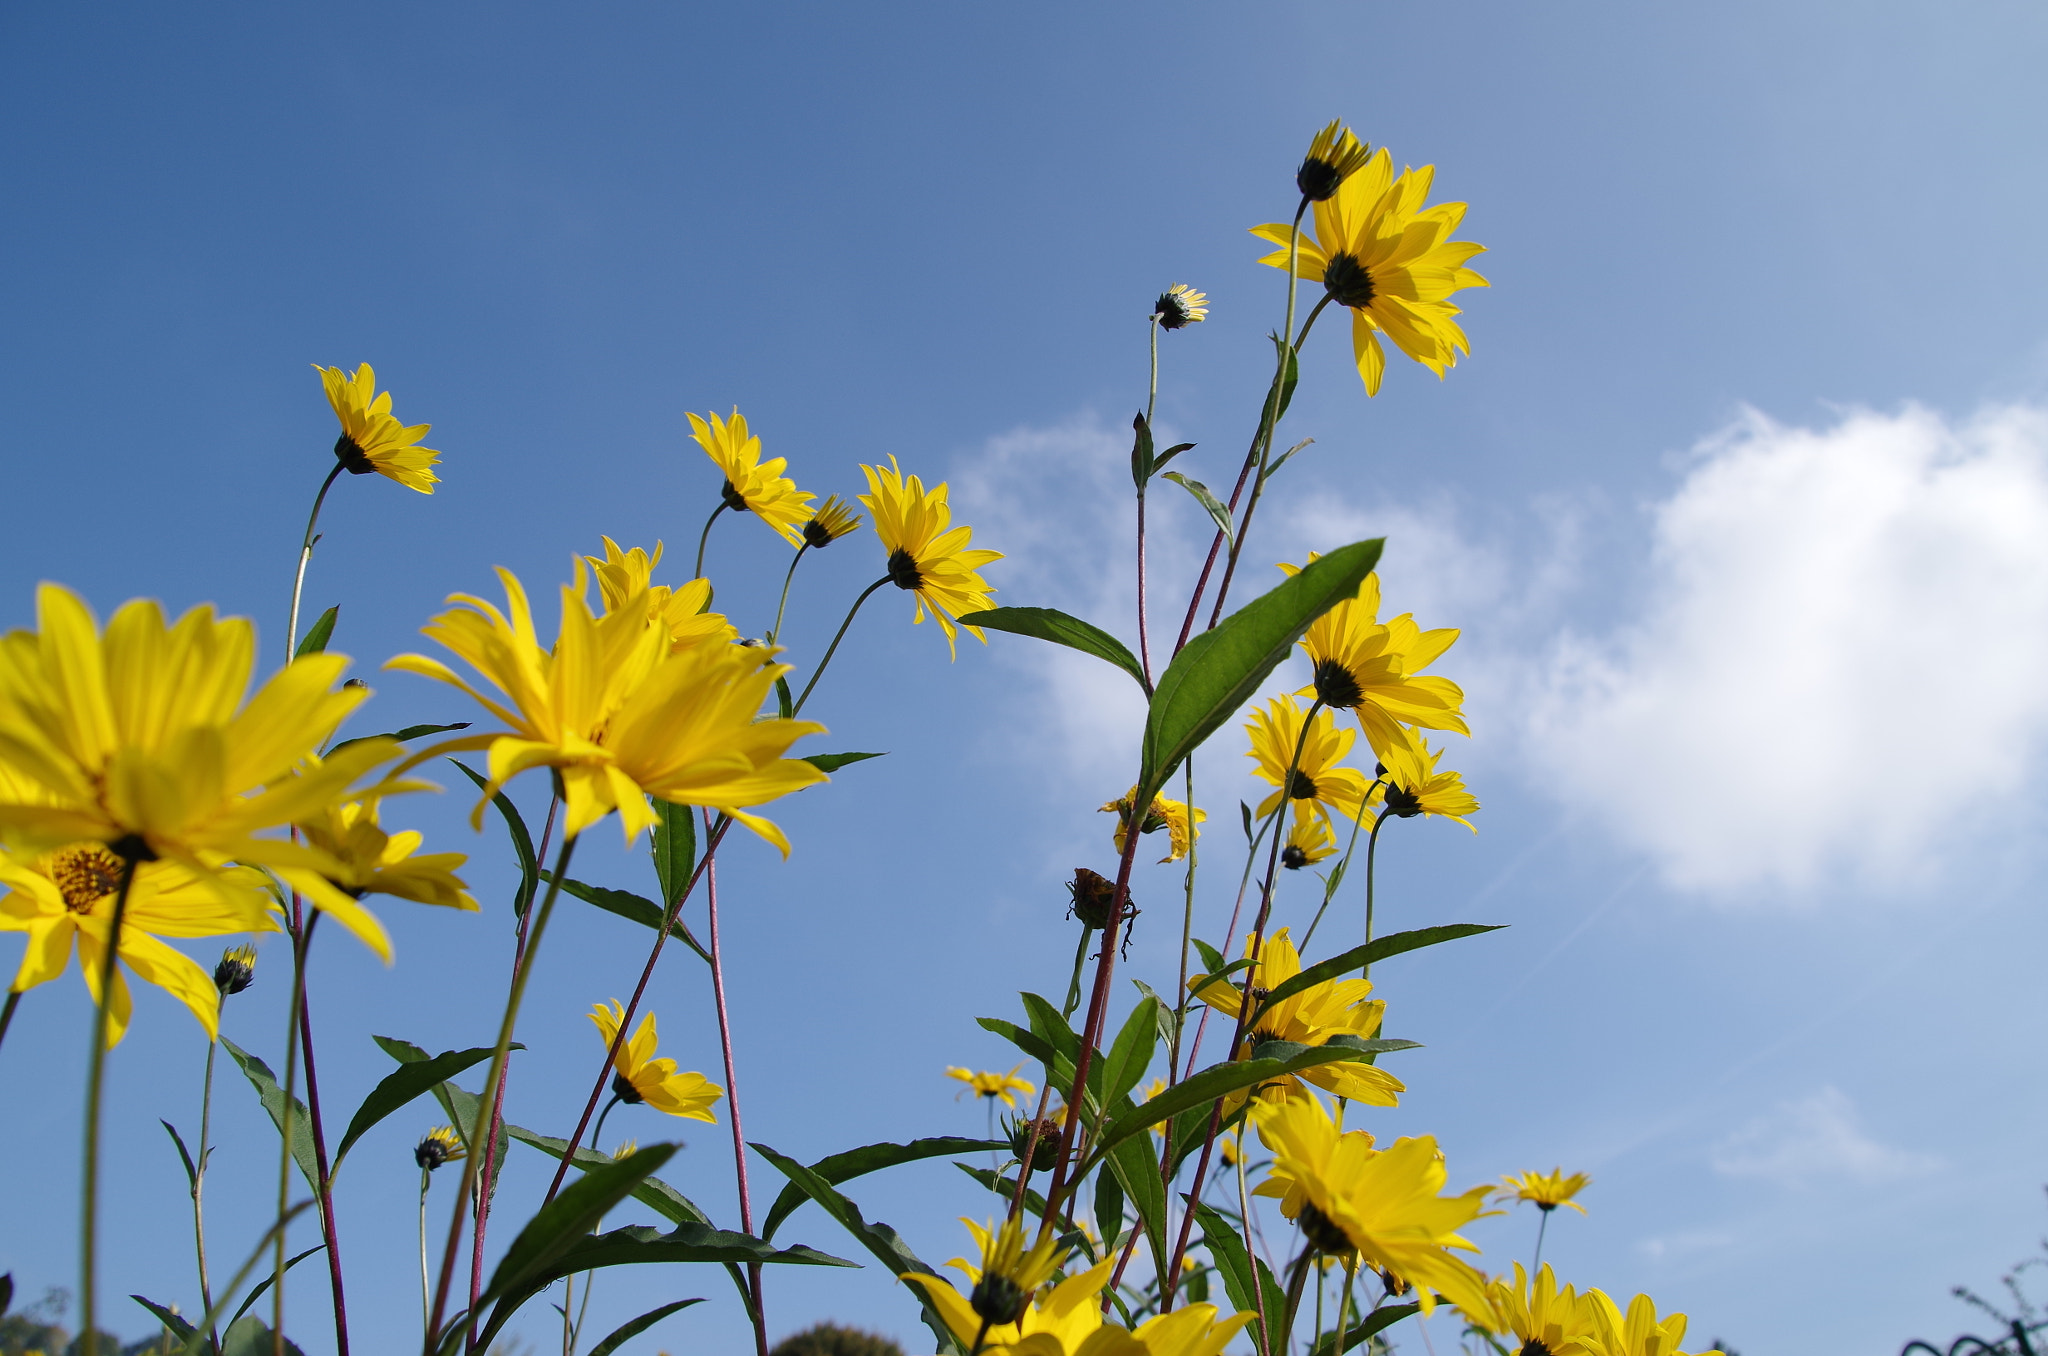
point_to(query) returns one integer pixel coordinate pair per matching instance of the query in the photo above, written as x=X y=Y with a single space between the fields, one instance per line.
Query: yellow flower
x=1391 y=260
x=371 y=439
x=1335 y=1007
x=1637 y=1334
x=1414 y=786
x=1191 y=1330
x=1002 y=1305
x=643 y=1078
x=69 y=894
x=373 y=862
x=993 y=1084
x=1375 y=671
x=750 y=483
x=1310 y=840
x=438 y=1146
x=1317 y=778
x=619 y=714
x=1227 y=1146
x=1547 y=1190
x=925 y=556
x=1180 y=306
x=141 y=740
x=684 y=612
x=235 y=970
x=1334 y=155
x=1542 y=1317
x=834 y=520
x=1382 y=1204
x=1182 y=827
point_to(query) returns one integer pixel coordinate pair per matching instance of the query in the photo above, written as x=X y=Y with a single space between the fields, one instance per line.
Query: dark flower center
x=85 y=875
x=1322 y=1232
x=1172 y=311
x=350 y=454
x=233 y=974
x=625 y=1091
x=1317 y=179
x=903 y=572
x=998 y=1299
x=1534 y=1347
x=1301 y=786
x=1293 y=858
x=1347 y=281
x=734 y=500
x=817 y=535
x=1404 y=804
x=1337 y=686
x=431 y=1152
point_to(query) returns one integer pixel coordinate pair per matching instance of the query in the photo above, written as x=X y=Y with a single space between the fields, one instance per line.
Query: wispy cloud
x=1812 y=1139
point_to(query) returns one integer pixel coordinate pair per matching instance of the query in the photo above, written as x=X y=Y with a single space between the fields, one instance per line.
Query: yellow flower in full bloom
x=1191 y=1330
x=1379 y=251
x=1382 y=1204
x=992 y=1084
x=1180 y=306
x=927 y=556
x=1639 y=1333
x=371 y=438
x=373 y=862
x=1310 y=840
x=1276 y=729
x=1547 y=1190
x=146 y=739
x=1413 y=786
x=1541 y=1316
x=684 y=611
x=1335 y=1007
x=1005 y=1309
x=643 y=1078
x=1182 y=826
x=750 y=483
x=1334 y=155
x=619 y=714
x=69 y=894
x=1376 y=671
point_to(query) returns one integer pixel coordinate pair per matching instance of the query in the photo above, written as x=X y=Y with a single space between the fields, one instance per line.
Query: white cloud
x=1842 y=657
x=1811 y=1139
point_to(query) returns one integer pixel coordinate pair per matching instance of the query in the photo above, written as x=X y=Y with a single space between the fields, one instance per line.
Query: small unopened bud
x=236 y=970
x=438 y=1146
x=998 y=1299
x=1048 y=1131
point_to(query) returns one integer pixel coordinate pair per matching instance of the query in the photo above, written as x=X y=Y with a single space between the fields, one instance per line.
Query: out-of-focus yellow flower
x=1413 y=786
x=1227 y=1145
x=1542 y=1316
x=1639 y=1333
x=1335 y=1007
x=835 y=518
x=992 y=1084
x=1180 y=306
x=683 y=610
x=373 y=862
x=1182 y=826
x=235 y=970
x=141 y=739
x=1275 y=730
x=1190 y=1330
x=619 y=714
x=1547 y=1190
x=927 y=556
x=371 y=438
x=1380 y=252
x=1334 y=155
x=751 y=484
x=1005 y=1283
x=1310 y=840
x=439 y=1146
x=643 y=1078
x=1376 y=671
x=68 y=895
x=1348 y=1196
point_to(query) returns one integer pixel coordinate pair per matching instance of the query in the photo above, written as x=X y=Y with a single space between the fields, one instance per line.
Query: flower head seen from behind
x=1375 y=671
x=1382 y=1204
x=927 y=555
x=1547 y=1190
x=640 y=1077
x=1316 y=779
x=987 y=1084
x=67 y=896
x=684 y=611
x=1182 y=825
x=1388 y=258
x=835 y=518
x=752 y=485
x=1334 y=155
x=236 y=970
x=1310 y=840
x=1414 y=786
x=369 y=861
x=1180 y=306
x=371 y=438
x=1639 y=1332
x=439 y=1146
x=1005 y=1307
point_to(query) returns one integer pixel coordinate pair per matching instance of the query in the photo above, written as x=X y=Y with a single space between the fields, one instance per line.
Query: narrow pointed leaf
x=1358 y=957
x=256 y=1291
x=1047 y=623
x=1283 y=458
x=657 y=1195
x=1368 y=1325
x=402 y=1086
x=1218 y=1080
x=1142 y=463
x=1226 y=1246
x=1130 y=1054
x=165 y=1315
x=1209 y=502
x=675 y=849
x=522 y=841
x=832 y=762
x=1170 y=453
x=626 y=904
x=272 y=1096
x=1290 y=376
x=191 y=1169
x=559 y=1224
x=317 y=636
x=409 y=732
x=632 y=1328
x=1136 y=1168
x=844 y=1167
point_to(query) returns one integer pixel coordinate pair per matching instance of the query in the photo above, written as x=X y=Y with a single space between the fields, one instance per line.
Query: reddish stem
x=732 y=1099
x=1215 y=545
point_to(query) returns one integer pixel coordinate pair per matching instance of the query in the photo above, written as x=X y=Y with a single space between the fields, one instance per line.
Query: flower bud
x=236 y=970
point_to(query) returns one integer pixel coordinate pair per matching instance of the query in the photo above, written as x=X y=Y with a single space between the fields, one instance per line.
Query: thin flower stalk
x=284 y=1126
x=7 y=1013
x=329 y=1233
x=291 y=634
x=732 y=1097
x=199 y=1184
x=833 y=648
x=95 y=1081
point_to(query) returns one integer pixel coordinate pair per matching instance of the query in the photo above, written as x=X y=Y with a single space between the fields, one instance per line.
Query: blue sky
x=1740 y=501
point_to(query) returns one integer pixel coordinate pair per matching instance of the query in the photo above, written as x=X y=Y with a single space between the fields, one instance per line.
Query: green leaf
x=1169 y=454
x=1358 y=957
x=652 y=1192
x=1212 y=959
x=1169 y=1019
x=409 y=732
x=167 y=1316
x=844 y=1167
x=1377 y=1321
x=1130 y=1054
x=522 y=841
x=320 y=633
x=1142 y=463
x=626 y=904
x=832 y=762
x=1218 y=1080
x=1289 y=377
x=632 y=1328
x=401 y=1087
x=1006 y=1187
x=879 y=1239
x=1282 y=459
x=191 y=1169
x=785 y=705
x=249 y=1336
x=675 y=849
x=1203 y=496
x=1136 y=1167
x=557 y=1226
x=1218 y=671
x=256 y=1291
x=1109 y=1206
x=1047 y=623
x=272 y=1096
x=1236 y=1264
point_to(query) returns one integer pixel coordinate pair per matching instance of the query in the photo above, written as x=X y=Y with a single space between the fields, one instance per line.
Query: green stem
x=506 y=1026
x=284 y=1118
x=426 y=1295
x=833 y=648
x=199 y=1184
x=1371 y=851
x=697 y=570
x=1074 y=984
x=7 y=1014
x=785 y=591
x=1344 y=1304
x=95 y=1080
x=291 y=638
x=1187 y=931
x=597 y=1135
x=1536 y=1262
x=1343 y=869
